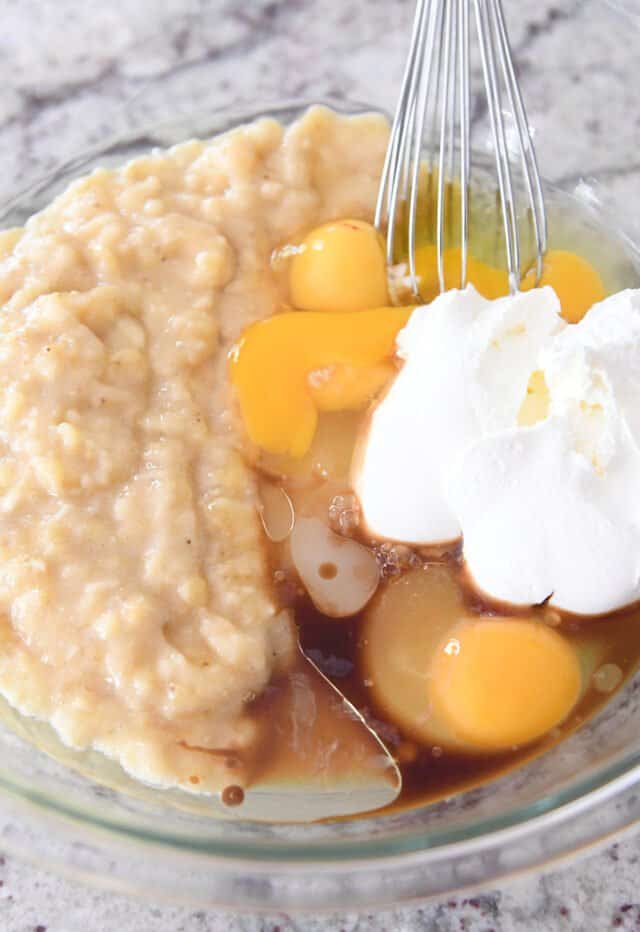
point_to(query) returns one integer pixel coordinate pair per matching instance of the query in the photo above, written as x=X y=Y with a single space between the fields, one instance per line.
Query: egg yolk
x=288 y=367
x=575 y=281
x=335 y=353
x=470 y=684
x=345 y=387
x=490 y=282
x=339 y=266
x=499 y=683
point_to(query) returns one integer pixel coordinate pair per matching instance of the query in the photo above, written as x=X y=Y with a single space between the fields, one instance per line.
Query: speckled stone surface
x=73 y=74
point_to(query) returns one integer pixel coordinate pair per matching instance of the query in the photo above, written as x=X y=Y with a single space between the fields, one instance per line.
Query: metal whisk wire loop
x=435 y=95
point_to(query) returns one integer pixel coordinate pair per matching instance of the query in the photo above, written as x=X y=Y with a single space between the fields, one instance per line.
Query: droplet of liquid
x=607 y=678
x=551 y=617
x=232 y=795
x=327 y=571
x=276 y=511
x=344 y=514
x=452 y=647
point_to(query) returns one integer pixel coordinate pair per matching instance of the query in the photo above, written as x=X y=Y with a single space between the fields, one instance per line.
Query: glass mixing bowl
x=80 y=813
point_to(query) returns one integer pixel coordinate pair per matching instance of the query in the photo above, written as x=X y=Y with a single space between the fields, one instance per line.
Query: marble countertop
x=74 y=74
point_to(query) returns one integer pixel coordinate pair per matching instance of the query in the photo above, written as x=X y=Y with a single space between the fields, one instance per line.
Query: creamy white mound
x=549 y=511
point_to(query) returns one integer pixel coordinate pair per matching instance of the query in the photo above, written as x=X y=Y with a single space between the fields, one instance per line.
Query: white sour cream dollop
x=549 y=511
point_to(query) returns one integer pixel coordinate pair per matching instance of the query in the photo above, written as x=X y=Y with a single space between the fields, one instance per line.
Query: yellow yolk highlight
x=288 y=367
x=535 y=406
x=339 y=266
x=498 y=683
x=490 y=282
x=575 y=281
x=348 y=388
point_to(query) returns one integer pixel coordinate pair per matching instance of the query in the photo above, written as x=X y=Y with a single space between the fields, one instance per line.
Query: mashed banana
x=135 y=604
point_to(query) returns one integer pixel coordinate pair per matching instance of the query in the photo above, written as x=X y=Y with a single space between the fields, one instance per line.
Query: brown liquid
x=430 y=772
x=312 y=733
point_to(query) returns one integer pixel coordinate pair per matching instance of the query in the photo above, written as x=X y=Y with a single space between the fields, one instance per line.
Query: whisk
x=435 y=94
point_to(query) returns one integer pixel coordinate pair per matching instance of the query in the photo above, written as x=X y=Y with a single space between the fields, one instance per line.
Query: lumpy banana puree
x=137 y=611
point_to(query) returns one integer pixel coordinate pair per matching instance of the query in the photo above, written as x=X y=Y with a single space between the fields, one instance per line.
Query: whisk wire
x=465 y=133
x=484 y=10
x=436 y=92
x=387 y=203
x=529 y=162
x=444 y=135
x=435 y=80
x=430 y=26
